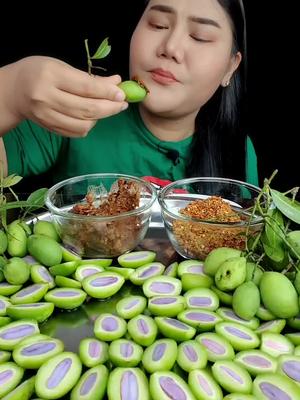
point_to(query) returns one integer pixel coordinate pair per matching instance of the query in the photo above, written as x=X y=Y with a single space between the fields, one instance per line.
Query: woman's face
x=182 y=51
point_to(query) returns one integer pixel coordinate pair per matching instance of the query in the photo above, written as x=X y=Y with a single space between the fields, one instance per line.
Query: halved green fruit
x=217 y=347
x=103 y=284
x=10 y=376
x=41 y=274
x=66 y=298
x=136 y=259
x=131 y=306
x=241 y=337
x=160 y=356
x=275 y=386
x=93 y=352
x=175 y=329
x=191 y=355
x=149 y=270
x=229 y=315
x=109 y=327
x=34 y=355
x=83 y=271
x=167 y=306
x=126 y=384
x=162 y=286
x=204 y=386
x=202 y=320
x=13 y=333
x=256 y=361
x=22 y=392
x=37 y=311
x=142 y=329
x=57 y=376
x=276 y=344
x=30 y=294
x=232 y=377
x=125 y=353
x=91 y=385
x=202 y=298
x=166 y=385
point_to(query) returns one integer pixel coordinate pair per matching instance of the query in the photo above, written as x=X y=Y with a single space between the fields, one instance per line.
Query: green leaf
x=290 y=208
x=37 y=197
x=274 y=227
x=11 y=180
x=274 y=250
x=102 y=51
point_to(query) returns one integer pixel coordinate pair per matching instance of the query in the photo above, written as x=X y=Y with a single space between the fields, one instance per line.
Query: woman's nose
x=172 y=47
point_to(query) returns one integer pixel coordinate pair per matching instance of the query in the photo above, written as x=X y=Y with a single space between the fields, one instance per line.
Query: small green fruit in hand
x=279 y=295
x=231 y=273
x=134 y=90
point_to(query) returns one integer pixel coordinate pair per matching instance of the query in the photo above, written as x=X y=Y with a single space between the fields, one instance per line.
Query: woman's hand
x=57 y=96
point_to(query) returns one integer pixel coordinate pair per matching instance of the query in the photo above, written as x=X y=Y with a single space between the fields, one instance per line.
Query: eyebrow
x=199 y=20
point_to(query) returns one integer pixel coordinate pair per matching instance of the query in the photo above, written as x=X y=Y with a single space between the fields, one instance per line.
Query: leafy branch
x=34 y=201
x=276 y=245
x=102 y=51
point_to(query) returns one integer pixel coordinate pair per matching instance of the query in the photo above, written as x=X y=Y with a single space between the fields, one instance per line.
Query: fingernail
x=124 y=106
x=120 y=96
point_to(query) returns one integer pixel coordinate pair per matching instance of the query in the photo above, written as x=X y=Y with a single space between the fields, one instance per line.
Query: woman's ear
x=233 y=66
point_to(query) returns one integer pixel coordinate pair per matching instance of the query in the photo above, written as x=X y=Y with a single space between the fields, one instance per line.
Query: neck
x=166 y=128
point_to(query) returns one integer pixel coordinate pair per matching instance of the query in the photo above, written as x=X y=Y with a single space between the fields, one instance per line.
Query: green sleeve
x=31 y=149
x=251 y=164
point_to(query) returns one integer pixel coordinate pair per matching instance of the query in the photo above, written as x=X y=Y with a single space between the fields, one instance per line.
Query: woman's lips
x=163 y=77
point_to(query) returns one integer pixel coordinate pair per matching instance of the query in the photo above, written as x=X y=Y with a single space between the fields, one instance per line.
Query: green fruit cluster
x=232 y=334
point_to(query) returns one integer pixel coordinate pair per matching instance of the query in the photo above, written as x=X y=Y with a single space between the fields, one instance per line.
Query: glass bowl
x=201 y=214
x=74 y=202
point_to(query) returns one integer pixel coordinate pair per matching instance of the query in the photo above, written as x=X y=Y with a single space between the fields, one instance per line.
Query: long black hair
x=219 y=142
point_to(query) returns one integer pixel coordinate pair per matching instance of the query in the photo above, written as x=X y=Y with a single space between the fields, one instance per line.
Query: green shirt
x=117 y=144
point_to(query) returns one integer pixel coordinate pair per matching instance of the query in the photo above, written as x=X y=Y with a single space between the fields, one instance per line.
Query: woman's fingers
x=85 y=108
x=84 y=85
x=64 y=124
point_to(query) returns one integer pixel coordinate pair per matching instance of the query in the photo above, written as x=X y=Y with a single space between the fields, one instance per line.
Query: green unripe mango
x=279 y=295
x=246 y=300
x=297 y=282
x=16 y=271
x=133 y=90
x=3 y=241
x=45 y=250
x=231 y=273
x=293 y=239
x=46 y=228
x=17 y=240
x=254 y=272
x=216 y=257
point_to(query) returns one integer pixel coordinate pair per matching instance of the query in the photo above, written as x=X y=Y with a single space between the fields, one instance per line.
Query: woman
x=191 y=56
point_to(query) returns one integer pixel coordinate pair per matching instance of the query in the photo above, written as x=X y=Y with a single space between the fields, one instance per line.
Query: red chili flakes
x=198 y=238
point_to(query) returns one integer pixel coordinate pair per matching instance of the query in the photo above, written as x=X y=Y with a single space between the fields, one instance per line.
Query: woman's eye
x=158 y=26
x=199 y=39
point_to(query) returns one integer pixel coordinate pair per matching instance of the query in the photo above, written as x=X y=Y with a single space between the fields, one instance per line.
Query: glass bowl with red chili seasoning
x=201 y=214
x=101 y=215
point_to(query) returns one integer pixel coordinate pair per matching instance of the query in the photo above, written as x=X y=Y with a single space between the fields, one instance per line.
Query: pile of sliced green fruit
x=226 y=328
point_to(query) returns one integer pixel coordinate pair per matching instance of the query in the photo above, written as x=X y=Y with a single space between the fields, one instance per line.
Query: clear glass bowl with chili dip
x=101 y=215
x=201 y=214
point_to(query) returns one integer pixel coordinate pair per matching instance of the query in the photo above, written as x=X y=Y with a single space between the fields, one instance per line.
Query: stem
x=89 y=62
